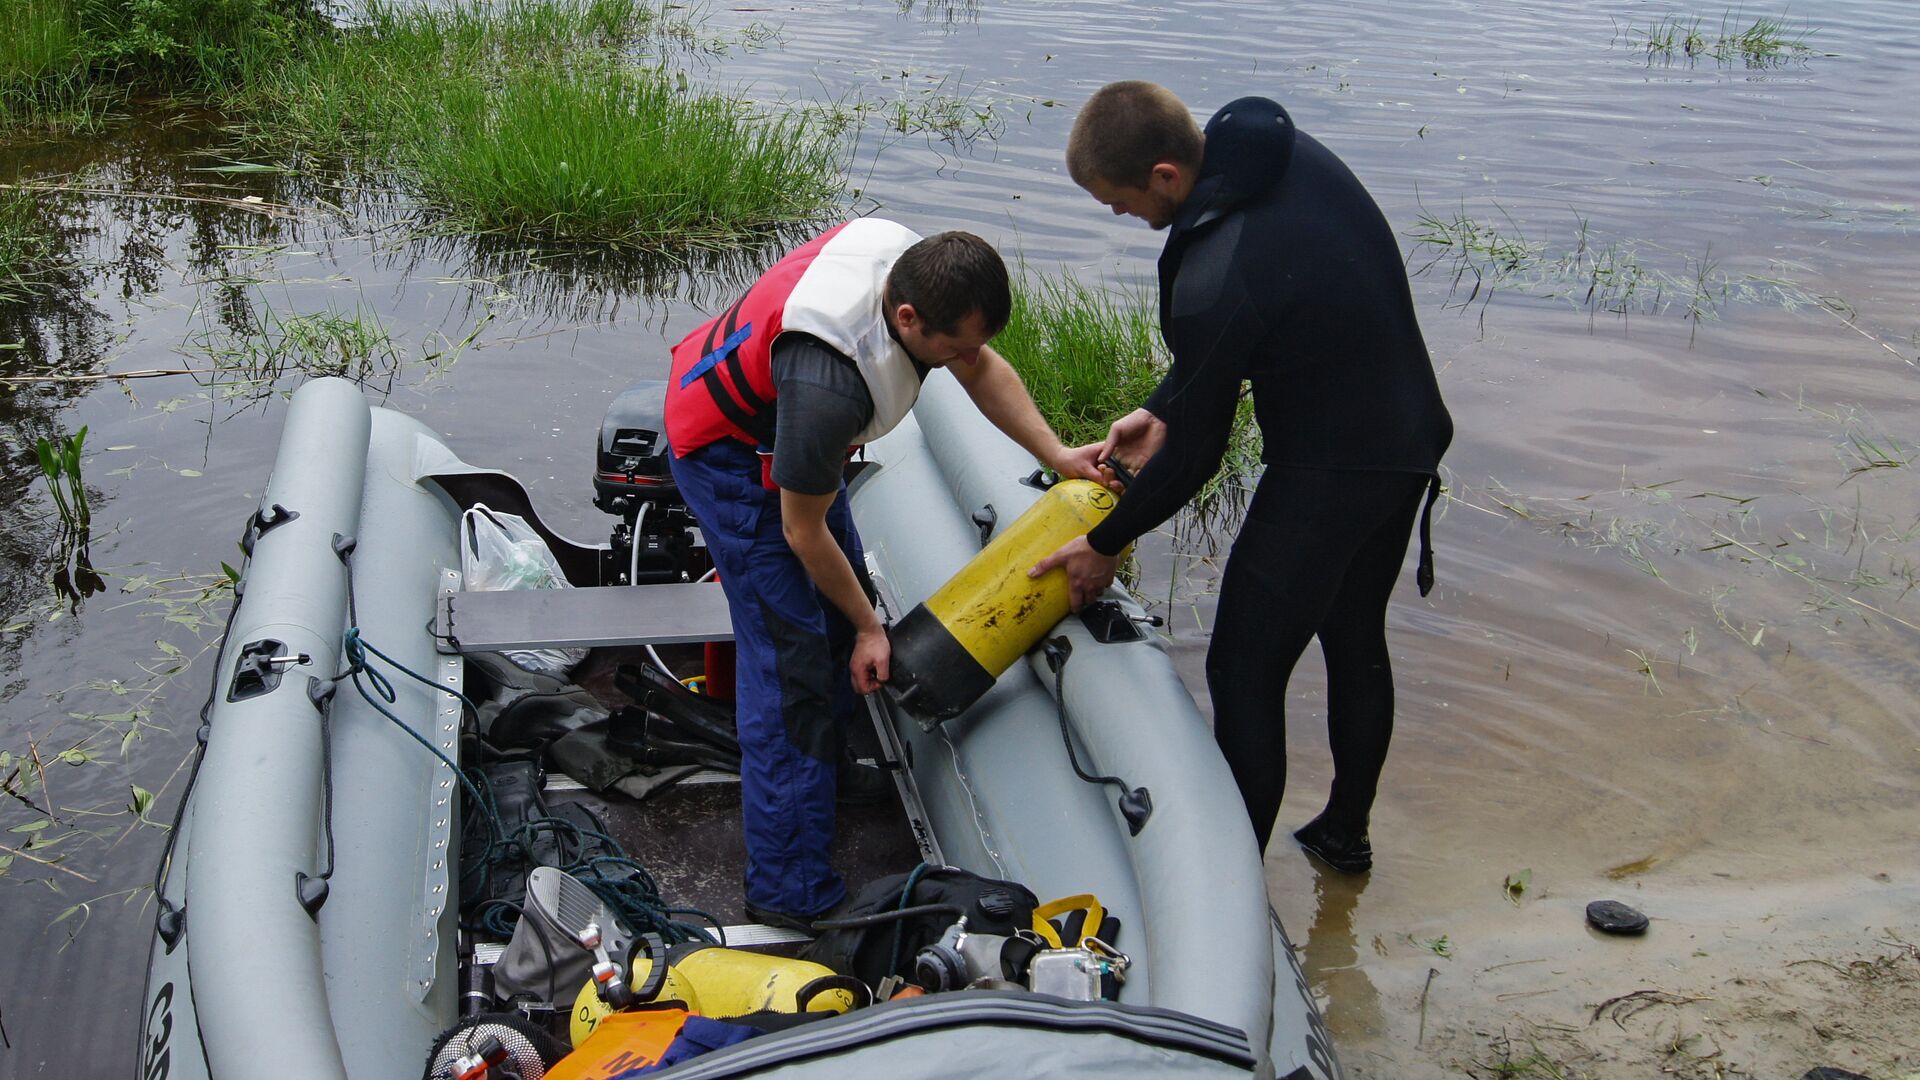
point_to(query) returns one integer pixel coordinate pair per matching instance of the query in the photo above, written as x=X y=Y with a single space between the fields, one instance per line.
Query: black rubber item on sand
x=1614 y=917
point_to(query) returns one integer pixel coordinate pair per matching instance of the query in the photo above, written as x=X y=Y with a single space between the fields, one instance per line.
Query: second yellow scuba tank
x=948 y=651
x=718 y=982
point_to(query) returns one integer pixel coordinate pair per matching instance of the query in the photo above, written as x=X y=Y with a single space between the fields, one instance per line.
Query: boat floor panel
x=690 y=839
x=689 y=836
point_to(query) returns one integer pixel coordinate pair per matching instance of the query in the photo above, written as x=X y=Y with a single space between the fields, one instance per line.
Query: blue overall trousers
x=792 y=690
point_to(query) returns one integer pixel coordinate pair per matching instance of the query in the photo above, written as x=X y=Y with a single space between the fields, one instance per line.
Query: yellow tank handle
x=1044 y=914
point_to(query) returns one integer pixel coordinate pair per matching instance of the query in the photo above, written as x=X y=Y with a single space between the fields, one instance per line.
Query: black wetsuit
x=1281 y=271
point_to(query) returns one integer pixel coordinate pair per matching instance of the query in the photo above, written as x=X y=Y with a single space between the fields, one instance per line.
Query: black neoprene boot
x=861 y=785
x=1347 y=851
x=783 y=920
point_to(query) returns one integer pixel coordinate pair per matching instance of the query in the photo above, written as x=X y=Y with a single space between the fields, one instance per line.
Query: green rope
x=624 y=884
x=900 y=925
x=356 y=649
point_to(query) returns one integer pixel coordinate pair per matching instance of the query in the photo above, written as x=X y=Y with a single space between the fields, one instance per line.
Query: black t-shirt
x=823 y=404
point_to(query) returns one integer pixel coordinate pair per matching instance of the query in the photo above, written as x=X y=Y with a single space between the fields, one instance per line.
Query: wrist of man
x=1100 y=541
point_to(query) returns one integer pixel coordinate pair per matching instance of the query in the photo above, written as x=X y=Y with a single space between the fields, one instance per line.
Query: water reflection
x=949 y=13
x=1331 y=958
x=41 y=324
x=579 y=283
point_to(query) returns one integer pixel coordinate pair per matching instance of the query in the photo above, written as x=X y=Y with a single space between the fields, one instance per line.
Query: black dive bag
x=872 y=952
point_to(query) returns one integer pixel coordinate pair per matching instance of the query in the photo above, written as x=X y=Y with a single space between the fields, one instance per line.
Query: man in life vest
x=1279 y=271
x=764 y=404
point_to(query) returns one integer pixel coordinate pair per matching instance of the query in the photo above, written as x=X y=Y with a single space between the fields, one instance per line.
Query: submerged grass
x=1610 y=277
x=30 y=244
x=48 y=824
x=246 y=357
x=1768 y=40
x=942 y=107
x=1089 y=355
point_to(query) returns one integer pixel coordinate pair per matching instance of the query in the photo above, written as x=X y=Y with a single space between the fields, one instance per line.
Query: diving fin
x=659 y=692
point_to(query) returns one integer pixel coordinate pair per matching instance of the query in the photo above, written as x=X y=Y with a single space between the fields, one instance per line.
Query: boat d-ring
x=262 y=522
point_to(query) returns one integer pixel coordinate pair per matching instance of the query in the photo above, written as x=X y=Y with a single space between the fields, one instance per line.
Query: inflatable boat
x=310 y=910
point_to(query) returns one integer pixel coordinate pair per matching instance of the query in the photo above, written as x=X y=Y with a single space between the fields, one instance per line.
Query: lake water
x=1671 y=654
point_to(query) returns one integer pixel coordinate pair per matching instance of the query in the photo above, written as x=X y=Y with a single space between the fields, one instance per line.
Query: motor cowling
x=632 y=481
x=630 y=467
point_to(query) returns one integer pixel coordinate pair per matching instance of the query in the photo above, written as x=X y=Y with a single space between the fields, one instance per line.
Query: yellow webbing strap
x=1043 y=915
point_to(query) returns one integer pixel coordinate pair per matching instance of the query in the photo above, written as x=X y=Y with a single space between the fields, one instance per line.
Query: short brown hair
x=948 y=276
x=1125 y=129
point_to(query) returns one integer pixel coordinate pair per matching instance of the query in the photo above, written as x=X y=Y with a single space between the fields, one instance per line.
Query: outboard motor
x=654 y=539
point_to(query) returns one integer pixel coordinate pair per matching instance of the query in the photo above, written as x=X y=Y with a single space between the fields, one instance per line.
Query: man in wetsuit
x=826 y=351
x=1279 y=270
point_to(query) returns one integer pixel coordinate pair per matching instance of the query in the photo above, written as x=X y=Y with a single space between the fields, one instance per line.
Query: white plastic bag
x=501 y=551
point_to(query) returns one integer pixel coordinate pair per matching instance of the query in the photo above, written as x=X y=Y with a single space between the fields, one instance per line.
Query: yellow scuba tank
x=949 y=650
x=717 y=982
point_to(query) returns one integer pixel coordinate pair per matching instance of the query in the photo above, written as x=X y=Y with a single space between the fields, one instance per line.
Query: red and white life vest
x=722 y=381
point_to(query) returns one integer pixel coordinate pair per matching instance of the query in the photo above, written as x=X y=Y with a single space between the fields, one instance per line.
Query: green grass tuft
x=545 y=119
x=72 y=64
x=41 y=39
x=1766 y=41
x=612 y=154
x=39 y=80
x=1090 y=355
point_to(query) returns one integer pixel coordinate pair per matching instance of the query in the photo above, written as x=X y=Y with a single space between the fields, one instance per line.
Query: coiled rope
x=622 y=883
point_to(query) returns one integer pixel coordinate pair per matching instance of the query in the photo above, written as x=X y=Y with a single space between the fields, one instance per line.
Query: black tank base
x=931 y=674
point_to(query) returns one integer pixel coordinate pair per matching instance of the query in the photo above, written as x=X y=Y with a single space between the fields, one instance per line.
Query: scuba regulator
x=959 y=959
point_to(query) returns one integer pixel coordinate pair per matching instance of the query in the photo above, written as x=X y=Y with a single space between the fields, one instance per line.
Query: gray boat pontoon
x=309 y=924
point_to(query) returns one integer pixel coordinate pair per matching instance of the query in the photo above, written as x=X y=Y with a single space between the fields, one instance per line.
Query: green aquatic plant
x=1767 y=40
x=249 y=358
x=73 y=576
x=60 y=465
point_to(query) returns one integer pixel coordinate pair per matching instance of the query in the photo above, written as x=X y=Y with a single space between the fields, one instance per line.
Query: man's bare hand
x=1134 y=438
x=1088 y=572
x=872 y=657
x=1082 y=462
